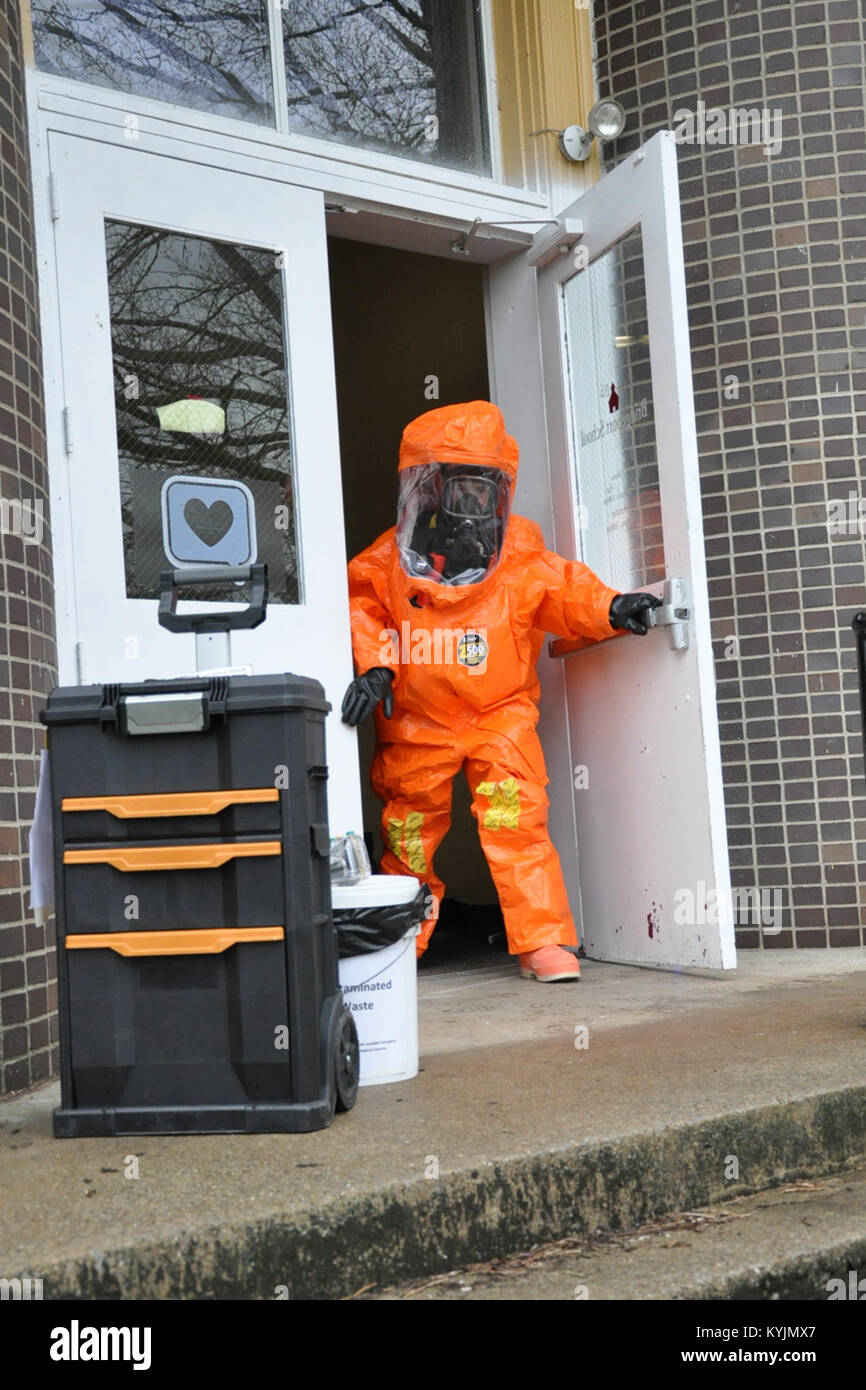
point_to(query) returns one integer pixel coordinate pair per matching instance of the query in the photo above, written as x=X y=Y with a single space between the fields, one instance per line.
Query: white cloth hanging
x=42 y=847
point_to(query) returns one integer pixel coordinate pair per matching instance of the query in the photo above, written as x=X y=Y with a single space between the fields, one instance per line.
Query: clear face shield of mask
x=451 y=521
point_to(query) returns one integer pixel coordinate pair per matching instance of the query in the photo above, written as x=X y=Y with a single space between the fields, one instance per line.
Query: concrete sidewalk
x=532 y=1138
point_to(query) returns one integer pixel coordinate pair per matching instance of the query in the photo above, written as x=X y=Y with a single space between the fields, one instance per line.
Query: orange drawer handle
x=135 y=858
x=211 y=941
x=170 y=803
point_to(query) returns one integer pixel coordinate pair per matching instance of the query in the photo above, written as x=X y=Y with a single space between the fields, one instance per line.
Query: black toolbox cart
x=197 y=957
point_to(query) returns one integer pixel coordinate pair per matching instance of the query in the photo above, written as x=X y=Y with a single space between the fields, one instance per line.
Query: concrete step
x=803 y=1240
x=690 y=1091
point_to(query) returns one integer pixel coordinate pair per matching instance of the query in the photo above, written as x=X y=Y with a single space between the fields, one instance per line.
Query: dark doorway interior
x=399 y=319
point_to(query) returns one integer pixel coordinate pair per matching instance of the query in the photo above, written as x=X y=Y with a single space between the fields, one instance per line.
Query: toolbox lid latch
x=320 y=840
x=177 y=712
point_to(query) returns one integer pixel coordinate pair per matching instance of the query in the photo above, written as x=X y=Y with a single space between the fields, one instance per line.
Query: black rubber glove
x=627 y=610
x=364 y=694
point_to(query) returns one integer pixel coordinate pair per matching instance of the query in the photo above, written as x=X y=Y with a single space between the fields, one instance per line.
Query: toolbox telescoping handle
x=858 y=622
x=229 y=620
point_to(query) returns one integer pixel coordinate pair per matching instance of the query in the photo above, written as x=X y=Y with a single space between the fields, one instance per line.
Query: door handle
x=674 y=613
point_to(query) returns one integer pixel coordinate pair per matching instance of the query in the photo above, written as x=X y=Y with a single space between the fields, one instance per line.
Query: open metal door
x=644 y=764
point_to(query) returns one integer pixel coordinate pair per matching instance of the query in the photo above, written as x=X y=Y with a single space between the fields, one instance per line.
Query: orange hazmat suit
x=465 y=688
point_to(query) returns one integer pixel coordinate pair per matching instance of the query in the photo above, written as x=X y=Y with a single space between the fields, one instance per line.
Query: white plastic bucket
x=381 y=988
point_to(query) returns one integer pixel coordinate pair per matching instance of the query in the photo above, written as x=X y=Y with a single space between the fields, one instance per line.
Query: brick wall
x=776 y=267
x=28 y=1002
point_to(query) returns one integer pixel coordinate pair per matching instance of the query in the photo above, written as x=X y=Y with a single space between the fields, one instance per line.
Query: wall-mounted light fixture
x=605 y=122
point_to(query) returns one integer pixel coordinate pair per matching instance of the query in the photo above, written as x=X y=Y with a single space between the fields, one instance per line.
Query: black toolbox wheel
x=346 y=1054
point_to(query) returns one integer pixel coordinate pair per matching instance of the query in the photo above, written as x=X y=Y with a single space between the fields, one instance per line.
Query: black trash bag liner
x=362 y=930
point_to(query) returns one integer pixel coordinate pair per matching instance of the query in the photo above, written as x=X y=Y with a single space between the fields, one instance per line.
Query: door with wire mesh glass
x=642 y=721
x=610 y=398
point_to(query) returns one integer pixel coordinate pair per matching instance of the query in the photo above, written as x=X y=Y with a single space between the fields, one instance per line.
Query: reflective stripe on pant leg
x=395 y=837
x=404 y=841
x=414 y=781
x=415 y=856
x=504 y=798
x=510 y=806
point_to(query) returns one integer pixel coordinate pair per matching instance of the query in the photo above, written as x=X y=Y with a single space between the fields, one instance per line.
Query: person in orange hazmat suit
x=448 y=611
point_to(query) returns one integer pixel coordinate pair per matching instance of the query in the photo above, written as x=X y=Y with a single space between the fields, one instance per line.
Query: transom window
x=400 y=76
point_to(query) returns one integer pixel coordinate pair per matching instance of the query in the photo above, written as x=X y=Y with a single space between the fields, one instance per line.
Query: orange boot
x=549 y=964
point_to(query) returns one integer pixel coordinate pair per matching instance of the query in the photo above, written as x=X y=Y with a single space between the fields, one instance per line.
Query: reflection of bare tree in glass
x=194 y=317
x=398 y=74
x=207 y=54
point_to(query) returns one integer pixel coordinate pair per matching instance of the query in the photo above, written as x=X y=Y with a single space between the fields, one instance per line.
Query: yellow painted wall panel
x=545 y=80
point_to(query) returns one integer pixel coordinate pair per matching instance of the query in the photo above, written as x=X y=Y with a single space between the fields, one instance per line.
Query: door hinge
x=674 y=612
x=53 y=197
x=67 y=429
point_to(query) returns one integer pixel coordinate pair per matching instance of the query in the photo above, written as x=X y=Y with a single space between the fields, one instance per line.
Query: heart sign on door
x=208 y=521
